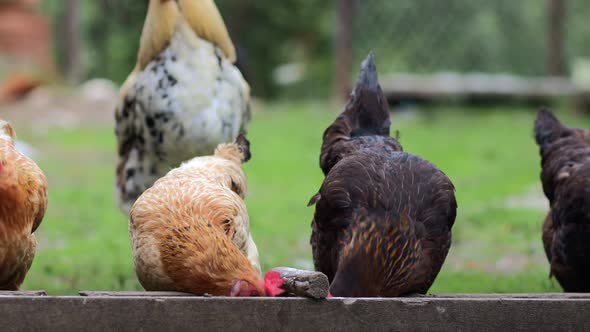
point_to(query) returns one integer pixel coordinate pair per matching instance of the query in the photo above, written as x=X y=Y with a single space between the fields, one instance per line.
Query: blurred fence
x=525 y=37
x=529 y=38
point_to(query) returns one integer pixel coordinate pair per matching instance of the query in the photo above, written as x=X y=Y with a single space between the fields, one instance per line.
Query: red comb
x=273 y=283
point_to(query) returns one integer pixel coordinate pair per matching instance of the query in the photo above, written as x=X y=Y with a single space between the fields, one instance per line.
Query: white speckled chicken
x=23 y=200
x=184 y=97
x=190 y=230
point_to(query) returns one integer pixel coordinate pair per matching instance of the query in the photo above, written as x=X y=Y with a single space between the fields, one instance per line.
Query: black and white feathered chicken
x=184 y=97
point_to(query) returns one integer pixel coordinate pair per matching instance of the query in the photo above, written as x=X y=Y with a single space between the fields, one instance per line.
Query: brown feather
x=190 y=231
x=23 y=201
x=159 y=25
x=383 y=218
x=206 y=21
x=162 y=19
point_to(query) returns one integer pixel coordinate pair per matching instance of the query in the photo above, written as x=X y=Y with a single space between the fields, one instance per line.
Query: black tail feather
x=547 y=127
x=368 y=76
x=367 y=108
x=244 y=146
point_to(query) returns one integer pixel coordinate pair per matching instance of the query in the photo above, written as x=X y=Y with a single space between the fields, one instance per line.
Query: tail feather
x=244 y=146
x=206 y=20
x=162 y=19
x=368 y=76
x=237 y=151
x=367 y=108
x=547 y=128
x=366 y=113
x=7 y=130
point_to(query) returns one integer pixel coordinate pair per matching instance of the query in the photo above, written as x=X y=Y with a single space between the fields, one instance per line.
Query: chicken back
x=190 y=231
x=565 y=162
x=383 y=217
x=23 y=200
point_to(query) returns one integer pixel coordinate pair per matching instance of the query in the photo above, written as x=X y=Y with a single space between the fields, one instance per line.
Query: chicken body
x=23 y=200
x=190 y=231
x=383 y=218
x=565 y=176
x=183 y=99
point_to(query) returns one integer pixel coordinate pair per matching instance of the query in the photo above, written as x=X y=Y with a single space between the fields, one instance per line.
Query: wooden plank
x=134 y=294
x=559 y=296
x=293 y=314
x=562 y=296
x=23 y=293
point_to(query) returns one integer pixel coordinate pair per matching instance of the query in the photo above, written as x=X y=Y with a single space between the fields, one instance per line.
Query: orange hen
x=190 y=230
x=23 y=199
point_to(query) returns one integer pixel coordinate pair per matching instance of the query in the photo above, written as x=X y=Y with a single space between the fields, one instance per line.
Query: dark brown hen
x=383 y=218
x=565 y=154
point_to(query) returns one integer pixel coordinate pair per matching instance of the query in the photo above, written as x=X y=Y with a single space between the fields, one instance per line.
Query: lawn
x=489 y=154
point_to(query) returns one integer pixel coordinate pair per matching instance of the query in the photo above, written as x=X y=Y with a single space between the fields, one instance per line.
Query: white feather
x=195 y=86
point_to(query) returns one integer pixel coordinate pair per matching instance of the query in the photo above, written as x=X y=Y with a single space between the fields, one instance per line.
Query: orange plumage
x=23 y=200
x=190 y=231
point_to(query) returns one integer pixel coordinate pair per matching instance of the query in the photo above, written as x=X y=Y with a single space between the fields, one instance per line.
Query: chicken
x=23 y=200
x=190 y=230
x=383 y=217
x=565 y=162
x=184 y=97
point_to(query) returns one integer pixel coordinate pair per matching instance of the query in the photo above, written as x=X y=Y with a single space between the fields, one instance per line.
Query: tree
x=556 y=20
x=72 y=38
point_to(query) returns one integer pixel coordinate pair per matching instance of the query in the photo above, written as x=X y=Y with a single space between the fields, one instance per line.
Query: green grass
x=489 y=154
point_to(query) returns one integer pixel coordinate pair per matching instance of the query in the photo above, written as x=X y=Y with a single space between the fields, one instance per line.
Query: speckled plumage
x=383 y=217
x=565 y=176
x=183 y=103
x=190 y=231
x=23 y=200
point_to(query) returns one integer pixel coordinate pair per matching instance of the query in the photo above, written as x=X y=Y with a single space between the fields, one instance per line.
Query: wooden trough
x=133 y=311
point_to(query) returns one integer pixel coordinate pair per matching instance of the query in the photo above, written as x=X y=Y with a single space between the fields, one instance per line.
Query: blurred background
x=463 y=78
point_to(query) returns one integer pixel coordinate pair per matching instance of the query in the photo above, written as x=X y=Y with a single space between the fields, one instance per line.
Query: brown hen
x=23 y=200
x=383 y=218
x=565 y=175
x=190 y=231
